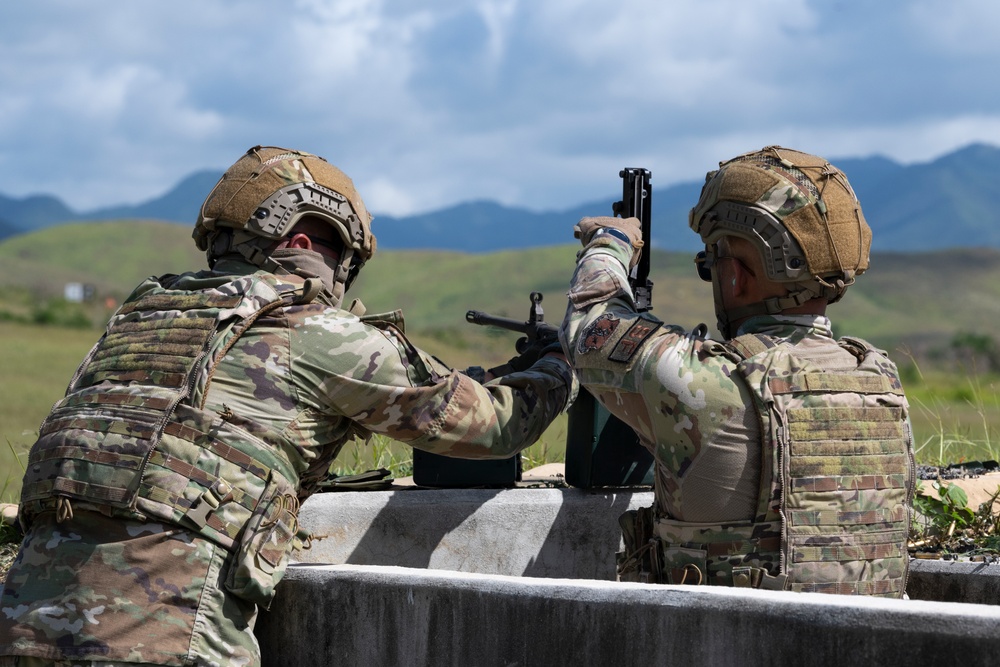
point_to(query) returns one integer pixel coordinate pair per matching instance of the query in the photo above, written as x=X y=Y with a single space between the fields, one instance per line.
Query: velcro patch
x=633 y=339
x=597 y=333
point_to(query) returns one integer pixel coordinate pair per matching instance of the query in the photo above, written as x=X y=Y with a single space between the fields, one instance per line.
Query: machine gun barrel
x=534 y=328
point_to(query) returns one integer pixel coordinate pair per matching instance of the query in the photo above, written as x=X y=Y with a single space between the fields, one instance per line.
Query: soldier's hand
x=625 y=229
x=528 y=355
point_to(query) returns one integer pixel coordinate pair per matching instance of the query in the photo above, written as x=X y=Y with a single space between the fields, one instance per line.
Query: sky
x=429 y=103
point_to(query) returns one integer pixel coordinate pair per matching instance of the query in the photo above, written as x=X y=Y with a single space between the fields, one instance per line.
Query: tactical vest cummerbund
x=126 y=438
x=837 y=480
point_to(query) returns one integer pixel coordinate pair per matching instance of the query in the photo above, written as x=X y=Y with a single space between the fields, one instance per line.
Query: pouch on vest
x=639 y=560
x=261 y=555
x=646 y=560
x=720 y=551
x=683 y=565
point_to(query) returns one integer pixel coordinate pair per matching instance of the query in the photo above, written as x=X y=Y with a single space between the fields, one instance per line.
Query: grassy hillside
x=915 y=303
x=919 y=300
x=113 y=256
x=912 y=305
x=923 y=298
x=36 y=364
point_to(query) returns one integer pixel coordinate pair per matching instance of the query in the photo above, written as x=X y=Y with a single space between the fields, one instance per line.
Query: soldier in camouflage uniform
x=160 y=501
x=783 y=457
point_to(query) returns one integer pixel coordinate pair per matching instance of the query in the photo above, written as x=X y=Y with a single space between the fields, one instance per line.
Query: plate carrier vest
x=837 y=481
x=132 y=438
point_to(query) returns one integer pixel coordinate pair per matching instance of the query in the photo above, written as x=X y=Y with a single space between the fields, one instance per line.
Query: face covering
x=311 y=264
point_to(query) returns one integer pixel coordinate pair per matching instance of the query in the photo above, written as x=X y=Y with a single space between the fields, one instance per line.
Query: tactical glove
x=528 y=355
x=626 y=229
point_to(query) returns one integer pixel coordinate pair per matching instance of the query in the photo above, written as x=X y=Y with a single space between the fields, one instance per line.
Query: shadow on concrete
x=584 y=536
x=401 y=534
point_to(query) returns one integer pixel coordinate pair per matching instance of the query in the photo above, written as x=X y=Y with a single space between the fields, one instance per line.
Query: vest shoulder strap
x=750 y=345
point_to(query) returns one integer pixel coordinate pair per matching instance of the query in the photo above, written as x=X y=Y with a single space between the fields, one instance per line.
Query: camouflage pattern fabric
x=697 y=406
x=29 y=661
x=304 y=379
x=98 y=588
x=841 y=462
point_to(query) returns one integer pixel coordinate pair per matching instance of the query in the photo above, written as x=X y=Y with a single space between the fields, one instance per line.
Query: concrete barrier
x=533 y=532
x=540 y=532
x=369 y=615
x=954 y=581
x=525 y=577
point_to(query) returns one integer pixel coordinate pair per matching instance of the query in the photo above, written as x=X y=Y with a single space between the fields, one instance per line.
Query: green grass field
x=956 y=417
x=38 y=362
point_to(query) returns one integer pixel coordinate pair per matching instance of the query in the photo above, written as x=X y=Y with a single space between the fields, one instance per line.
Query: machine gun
x=534 y=328
x=443 y=471
x=602 y=450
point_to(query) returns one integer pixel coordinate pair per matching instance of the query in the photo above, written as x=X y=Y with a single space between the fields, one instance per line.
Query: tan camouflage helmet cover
x=269 y=189
x=797 y=209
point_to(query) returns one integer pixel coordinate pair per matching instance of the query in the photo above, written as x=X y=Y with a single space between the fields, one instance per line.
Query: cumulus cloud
x=427 y=103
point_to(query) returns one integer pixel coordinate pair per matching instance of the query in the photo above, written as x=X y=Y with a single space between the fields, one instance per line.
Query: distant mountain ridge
x=949 y=202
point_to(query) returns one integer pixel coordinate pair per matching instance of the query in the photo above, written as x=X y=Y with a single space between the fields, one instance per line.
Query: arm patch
x=598 y=333
x=633 y=339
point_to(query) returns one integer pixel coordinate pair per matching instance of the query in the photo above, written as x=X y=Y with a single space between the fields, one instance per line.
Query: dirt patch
x=7 y=554
x=10 y=537
x=958 y=513
x=980 y=489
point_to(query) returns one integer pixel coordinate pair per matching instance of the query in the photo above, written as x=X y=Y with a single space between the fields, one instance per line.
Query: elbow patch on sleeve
x=597 y=286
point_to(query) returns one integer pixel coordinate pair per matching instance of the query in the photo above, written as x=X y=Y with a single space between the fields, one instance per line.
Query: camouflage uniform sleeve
x=377 y=378
x=670 y=387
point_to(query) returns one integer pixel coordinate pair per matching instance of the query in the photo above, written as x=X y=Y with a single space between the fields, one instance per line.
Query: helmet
x=267 y=192
x=798 y=211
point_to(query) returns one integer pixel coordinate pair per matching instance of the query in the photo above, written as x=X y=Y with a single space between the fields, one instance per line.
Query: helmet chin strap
x=254 y=249
x=722 y=321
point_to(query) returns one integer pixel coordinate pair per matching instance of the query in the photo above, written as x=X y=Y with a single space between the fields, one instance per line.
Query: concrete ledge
x=553 y=533
x=565 y=533
x=951 y=581
x=354 y=615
